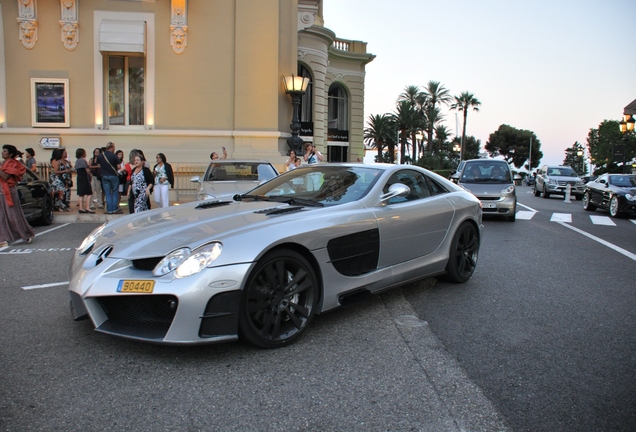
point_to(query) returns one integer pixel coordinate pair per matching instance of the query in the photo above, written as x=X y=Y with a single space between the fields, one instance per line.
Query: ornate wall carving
x=179 y=25
x=28 y=24
x=68 y=23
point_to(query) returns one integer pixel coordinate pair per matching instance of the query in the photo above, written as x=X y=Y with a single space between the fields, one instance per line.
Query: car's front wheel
x=463 y=254
x=613 y=207
x=587 y=202
x=536 y=191
x=279 y=300
x=546 y=194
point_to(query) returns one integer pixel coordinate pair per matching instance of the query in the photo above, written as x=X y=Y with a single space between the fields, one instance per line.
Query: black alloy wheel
x=463 y=254
x=587 y=202
x=279 y=300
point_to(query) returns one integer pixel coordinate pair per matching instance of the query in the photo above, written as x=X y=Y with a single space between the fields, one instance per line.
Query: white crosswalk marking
x=633 y=220
x=525 y=215
x=602 y=220
x=561 y=217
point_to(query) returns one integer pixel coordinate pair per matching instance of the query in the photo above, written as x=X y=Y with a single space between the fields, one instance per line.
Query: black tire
x=536 y=191
x=279 y=300
x=613 y=207
x=463 y=254
x=47 y=213
x=587 y=203
x=546 y=194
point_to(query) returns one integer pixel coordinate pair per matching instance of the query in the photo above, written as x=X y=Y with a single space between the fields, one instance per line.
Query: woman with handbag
x=141 y=184
x=61 y=179
x=13 y=224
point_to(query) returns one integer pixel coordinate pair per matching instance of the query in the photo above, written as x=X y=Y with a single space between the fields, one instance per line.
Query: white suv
x=555 y=180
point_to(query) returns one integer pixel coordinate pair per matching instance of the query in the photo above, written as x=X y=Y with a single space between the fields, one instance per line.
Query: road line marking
x=561 y=217
x=633 y=221
x=525 y=215
x=45 y=285
x=529 y=208
x=602 y=220
x=620 y=250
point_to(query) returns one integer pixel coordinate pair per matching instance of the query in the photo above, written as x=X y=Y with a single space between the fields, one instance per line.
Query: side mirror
x=395 y=190
x=195 y=179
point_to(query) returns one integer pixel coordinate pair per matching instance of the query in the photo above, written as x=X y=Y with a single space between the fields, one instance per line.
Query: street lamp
x=457 y=148
x=626 y=126
x=295 y=86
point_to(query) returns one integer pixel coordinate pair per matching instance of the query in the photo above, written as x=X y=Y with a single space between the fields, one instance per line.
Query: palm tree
x=378 y=133
x=463 y=102
x=405 y=120
x=416 y=99
x=431 y=118
x=434 y=94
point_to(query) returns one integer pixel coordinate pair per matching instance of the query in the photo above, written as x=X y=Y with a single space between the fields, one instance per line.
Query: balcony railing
x=350 y=45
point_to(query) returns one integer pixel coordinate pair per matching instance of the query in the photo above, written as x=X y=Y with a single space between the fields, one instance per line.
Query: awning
x=630 y=109
x=122 y=36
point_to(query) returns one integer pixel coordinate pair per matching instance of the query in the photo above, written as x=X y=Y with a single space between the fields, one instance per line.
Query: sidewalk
x=100 y=215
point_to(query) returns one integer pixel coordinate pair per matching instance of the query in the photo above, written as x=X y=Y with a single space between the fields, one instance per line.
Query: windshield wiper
x=295 y=200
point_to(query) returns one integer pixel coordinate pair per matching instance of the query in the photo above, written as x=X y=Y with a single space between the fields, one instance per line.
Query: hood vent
x=279 y=210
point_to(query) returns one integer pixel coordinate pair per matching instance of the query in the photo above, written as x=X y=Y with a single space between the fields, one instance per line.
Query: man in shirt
x=110 y=165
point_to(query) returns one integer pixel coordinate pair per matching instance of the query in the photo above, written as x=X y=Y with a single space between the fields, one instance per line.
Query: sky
x=554 y=67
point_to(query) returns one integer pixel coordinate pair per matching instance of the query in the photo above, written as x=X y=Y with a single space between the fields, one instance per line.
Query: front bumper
x=560 y=189
x=503 y=206
x=202 y=308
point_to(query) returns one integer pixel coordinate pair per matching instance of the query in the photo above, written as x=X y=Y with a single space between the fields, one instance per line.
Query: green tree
x=601 y=142
x=378 y=133
x=405 y=120
x=434 y=95
x=575 y=158
x=415 y=98
x=463 y=103
x=514 y=145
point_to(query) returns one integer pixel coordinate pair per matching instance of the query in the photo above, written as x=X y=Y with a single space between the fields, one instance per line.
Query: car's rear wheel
x=47 y=213
x=279 y=300
x=613 y=207
x=463 y=254
x=587 y=202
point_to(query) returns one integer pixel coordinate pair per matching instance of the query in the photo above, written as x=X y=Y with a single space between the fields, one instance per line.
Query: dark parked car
x=35 y=199
x=614 y=192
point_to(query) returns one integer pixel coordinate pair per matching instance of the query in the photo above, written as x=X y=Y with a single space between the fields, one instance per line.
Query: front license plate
x=490 y=205
x=136 y=286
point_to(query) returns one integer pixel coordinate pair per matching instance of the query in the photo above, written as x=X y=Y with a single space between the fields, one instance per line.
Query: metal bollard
x=567 y=194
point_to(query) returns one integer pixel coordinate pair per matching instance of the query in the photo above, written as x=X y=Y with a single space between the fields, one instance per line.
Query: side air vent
x=103 y=254
x=146 y=264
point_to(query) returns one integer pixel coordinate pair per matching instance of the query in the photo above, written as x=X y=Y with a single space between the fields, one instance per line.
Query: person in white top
x=293 y=162
x=312 y=155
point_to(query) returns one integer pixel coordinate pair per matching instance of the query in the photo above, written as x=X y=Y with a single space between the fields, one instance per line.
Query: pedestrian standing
x=141 y=184
x=84 y=190
x=31 y=163
x=109 y=165
x=164 y=180
x=96 y=179
x=13 y=224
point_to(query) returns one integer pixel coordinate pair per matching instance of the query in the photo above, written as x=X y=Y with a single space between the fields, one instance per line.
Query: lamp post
x=295 y=86
x=579 y=153
x=626 y=126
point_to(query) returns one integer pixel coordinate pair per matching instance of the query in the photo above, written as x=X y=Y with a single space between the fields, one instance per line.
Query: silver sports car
x=261 y=265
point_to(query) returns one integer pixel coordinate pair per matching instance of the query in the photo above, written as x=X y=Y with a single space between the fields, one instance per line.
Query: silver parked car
x=262 y=265
x=490 y=180
x=556 y=179
x=227 y=177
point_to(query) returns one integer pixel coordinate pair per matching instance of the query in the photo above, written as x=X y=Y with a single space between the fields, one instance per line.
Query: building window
x=338 y=108
x=126 y=76
x=336 y=153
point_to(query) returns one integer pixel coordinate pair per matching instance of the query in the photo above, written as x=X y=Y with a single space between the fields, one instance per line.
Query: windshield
x=233 y=171
x=320 y=184
x=562 y=172
x=486 y=172
x=623 y=181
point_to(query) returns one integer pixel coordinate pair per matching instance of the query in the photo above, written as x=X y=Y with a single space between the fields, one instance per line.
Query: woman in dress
x=31 y=163
x=141 y=185
x=61 y=179
x=164 y=177
x=84 y=190
x=293 y=162
x=13 y=224
x=96 y=179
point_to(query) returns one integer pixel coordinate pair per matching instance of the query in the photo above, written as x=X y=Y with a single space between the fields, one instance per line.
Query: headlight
x=509 y=190
x=552 y=181
x=186 y=263
x=89 y=241
x=630 y=197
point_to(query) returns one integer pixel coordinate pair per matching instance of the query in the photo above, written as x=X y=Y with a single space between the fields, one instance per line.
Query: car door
x=603 y=193
x=413 y=226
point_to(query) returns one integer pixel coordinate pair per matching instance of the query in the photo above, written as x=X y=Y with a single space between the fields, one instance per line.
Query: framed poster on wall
x=50 y=104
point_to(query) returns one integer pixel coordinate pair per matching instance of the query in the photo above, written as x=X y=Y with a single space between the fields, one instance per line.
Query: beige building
x=181 y=77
